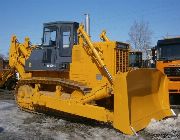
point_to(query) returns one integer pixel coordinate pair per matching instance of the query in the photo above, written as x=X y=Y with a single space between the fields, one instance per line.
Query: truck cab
x=168 y=62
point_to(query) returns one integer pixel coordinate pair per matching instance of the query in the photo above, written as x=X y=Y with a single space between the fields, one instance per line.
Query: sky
x=26 y=17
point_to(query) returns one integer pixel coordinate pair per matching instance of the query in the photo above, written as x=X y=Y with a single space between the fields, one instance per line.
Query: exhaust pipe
x=87 y=24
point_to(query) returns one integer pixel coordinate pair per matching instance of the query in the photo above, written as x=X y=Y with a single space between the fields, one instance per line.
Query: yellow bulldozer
x=70 y=73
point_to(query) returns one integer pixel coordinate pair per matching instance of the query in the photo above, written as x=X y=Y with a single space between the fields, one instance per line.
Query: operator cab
x=61 y=35
x=56 y=48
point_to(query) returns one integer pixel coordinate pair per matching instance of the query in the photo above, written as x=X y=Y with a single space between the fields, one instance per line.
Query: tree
x=140 y=36
x=2 y=56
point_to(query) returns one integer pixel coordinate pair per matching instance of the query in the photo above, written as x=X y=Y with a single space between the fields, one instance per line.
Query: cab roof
x=60 y=22
x=168 y=41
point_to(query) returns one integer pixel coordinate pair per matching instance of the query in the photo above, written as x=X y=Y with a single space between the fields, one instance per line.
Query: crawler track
x=73 y=85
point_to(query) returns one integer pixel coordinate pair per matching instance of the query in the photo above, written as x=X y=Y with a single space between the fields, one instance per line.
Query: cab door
x=66 y=41
x=50 y=44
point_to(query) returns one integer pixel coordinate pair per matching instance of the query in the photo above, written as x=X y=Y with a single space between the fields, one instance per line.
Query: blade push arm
x=82 y=33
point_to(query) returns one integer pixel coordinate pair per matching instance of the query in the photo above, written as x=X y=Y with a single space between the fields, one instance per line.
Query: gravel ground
x=19 y=125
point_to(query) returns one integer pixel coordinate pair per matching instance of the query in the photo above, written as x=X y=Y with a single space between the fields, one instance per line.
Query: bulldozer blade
x=139 y=96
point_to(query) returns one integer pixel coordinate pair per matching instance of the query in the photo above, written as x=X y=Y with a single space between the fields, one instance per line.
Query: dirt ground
x=19 y=125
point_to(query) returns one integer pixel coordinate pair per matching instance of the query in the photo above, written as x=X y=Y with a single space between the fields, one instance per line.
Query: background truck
x=168 y=61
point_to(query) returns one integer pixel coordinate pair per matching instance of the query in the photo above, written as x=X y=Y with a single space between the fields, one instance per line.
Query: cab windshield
x=168 y=52
x=49 y=38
